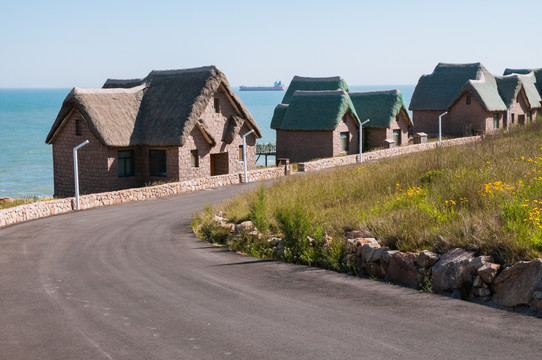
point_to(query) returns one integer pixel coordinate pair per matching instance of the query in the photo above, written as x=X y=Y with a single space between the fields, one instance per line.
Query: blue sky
x=67 y=43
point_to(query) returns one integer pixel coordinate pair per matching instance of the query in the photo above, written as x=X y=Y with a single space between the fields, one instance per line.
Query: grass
x=16 y=202
x=485 y=197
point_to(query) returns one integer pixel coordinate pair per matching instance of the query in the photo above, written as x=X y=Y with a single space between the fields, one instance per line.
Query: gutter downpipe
x=508 y=116
x=245 y=153
x=361 y=138
x=76 y=172
x=440 y=127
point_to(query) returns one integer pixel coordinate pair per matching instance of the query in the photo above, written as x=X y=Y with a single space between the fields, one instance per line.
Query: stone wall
x=380 y=154
x=54 y=207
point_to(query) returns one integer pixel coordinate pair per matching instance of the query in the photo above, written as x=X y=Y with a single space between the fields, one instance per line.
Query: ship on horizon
x=277 y=86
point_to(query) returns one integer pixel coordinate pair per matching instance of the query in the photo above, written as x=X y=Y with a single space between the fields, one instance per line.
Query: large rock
x=368 y=251
x=374 y=269
x=488 y=272
x=519 y=284
x=452 y=272
x=426 y=259
x=478 y=262
x=402 y=268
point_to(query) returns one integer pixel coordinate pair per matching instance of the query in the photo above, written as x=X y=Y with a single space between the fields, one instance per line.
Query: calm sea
x=26 y=116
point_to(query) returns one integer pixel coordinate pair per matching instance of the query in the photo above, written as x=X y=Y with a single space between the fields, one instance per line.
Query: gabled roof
x=536 y=72
x=380 y=107
x=159 y=110
x=511 y=85
x=314 y=110
x=485 y=91
x=437 y=90
x=313 y=84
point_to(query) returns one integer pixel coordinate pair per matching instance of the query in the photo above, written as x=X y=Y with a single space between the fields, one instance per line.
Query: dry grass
x=486 y=197
x=9 y=203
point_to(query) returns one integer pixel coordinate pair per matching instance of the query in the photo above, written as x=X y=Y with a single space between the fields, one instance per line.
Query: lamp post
x=440 y=127
x=76 y=172
x=508 y=116
x=245 y=153
x=361 y=139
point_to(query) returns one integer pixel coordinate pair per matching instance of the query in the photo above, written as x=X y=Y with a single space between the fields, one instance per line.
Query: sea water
x=26 y=116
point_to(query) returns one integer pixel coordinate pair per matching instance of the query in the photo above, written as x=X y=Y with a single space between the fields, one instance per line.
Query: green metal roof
x=313 y=84
x=313 y=110
x=380 y=107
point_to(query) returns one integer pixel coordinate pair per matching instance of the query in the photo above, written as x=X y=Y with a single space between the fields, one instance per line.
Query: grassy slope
x=486 y=197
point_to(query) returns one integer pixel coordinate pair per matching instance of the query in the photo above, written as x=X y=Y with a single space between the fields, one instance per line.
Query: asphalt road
x=132 y=282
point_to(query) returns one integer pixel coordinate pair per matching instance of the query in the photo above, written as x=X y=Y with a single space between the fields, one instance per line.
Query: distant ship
x=277 y=86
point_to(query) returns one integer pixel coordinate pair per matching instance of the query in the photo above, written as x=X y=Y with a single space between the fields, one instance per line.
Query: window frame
x=469 y=100
x=194 y=158
x=241 y=154
x=130 y=159
x=216 y=105
x=344 y=145
x=396 y=133
x=157 y=162
x=496 y=119
x=78 y=127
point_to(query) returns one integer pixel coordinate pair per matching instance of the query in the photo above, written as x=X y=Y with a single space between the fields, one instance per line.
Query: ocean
x=26 y=116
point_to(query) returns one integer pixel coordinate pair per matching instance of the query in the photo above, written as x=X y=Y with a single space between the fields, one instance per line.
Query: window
x=469 y=100
x=530 y=116
x=78 y=127
x=217 y=105
x=397 y=137
x=126 y=163
x=344 y=141
x=157 y=163
x=513 y=118
x=241 y=155
x=194 y=159
x=495 y=121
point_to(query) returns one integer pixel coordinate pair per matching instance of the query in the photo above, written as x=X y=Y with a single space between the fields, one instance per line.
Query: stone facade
x=376 y=137
x=98 y=164
x=426 y=121
x=307 y=145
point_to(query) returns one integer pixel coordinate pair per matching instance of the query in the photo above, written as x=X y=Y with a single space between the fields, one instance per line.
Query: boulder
x=478 y=262
x=488 y=272
x=244 y=226
x=452 y=272
x=374 y=269
x=387 y=254
x=426 y=259
x=402 y=268
x=478 y=282
x=519 y=284
x=377 y=254
x=367 y=251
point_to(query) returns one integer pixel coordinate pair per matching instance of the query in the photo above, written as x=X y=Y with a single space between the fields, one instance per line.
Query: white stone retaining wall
x=53 y=207
x=380 y=154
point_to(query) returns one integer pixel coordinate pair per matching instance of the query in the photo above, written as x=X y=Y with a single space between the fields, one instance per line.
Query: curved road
x=132 y=282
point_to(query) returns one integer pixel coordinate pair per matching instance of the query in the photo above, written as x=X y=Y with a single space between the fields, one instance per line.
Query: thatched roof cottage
x=313 y=84
x=476 y=100
x=168 y=126
x=316 y=124
x=388 y=115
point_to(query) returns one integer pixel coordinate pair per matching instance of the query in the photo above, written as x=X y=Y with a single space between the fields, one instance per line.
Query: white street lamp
x=440 y=127
x=361 y=139
x=76 y=172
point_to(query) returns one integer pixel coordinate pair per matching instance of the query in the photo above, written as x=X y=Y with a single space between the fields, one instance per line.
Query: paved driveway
x=132 y=282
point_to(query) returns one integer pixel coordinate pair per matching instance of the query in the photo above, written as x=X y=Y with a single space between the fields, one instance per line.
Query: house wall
x=426 y=121
x=463 y=119
x=375 y=137
x=399 y=123
x=216 y=124
x=520 y=108
x=348 y=124
x=304 y=145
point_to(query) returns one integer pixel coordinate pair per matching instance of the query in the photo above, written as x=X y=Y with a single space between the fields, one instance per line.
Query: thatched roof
x=536 y=72
x=313 y=84
x=485 y=91
x=161 y=110
x=380 y=107
x=511 y=85
x=436 y=91
x=313 y=110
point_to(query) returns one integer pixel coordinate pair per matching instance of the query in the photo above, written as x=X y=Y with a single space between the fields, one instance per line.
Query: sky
x=62 y=44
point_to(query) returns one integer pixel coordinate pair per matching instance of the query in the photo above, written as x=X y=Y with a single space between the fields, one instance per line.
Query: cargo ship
x=277 y=86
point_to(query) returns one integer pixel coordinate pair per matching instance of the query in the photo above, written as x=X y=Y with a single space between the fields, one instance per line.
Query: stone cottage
x=313 y=84
x=388 y=115
x=316 y=124
x=169 y=126
x=476 y=100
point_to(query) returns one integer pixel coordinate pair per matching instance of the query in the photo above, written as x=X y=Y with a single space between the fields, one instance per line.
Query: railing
x=266 y=149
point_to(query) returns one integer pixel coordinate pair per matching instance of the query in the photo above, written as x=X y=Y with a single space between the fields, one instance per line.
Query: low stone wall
x=54 y=207
x=380 y=154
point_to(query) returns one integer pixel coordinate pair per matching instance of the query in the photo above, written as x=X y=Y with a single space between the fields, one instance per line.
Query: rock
x=367 y=251
x=244 y=226
x=478 y=262
x=426 y=259
x=377 y=254
x=357 y=234
x=229 y=226
x=478 y=283
x=517 y=284
x=488 y=272
x=402 y=268
x=481 y=292
x=255 y=233
x=274 y=241
x=218 y=219
x=387 y=254
x=452 y=272
x=374 y=269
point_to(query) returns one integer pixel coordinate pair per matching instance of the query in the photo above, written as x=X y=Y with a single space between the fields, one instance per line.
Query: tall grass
x=485 y=196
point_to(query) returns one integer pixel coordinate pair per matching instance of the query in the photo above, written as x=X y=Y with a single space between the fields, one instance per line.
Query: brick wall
x=304 y=145
x=346 y=125
x=426 y=121
x=464 y=119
